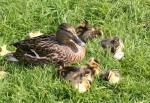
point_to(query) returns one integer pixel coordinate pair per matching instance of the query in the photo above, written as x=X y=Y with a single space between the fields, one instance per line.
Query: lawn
x=129 y=19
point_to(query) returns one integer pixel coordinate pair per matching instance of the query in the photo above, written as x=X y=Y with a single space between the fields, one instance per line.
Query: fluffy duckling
x=112 y=76
x=34 y=34
x=85 y=32
x=82 y=77
x=116 y=45
x=3 y=50
x=117 y=48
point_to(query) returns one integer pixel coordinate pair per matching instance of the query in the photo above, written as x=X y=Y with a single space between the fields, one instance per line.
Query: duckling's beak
x=90 y=82
x=79 y=41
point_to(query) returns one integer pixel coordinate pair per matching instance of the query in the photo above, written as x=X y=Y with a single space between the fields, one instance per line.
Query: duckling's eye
x=96 y=61
x=86 y=75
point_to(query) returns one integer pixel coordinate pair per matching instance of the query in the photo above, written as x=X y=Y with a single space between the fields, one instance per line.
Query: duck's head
x=67 y=34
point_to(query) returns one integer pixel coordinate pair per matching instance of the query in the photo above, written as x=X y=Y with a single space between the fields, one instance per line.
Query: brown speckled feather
x=48 y=49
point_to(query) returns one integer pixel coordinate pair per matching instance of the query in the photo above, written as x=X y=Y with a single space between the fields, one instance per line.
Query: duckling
x=34 y=34
x=82 y=77
x=112 y=76
x=62 y=48
x=3 y=50
x=85 y=32
x=116 y=45
x=117 y=48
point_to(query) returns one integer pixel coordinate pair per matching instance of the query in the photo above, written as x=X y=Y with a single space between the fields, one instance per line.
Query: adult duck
x=63 y=47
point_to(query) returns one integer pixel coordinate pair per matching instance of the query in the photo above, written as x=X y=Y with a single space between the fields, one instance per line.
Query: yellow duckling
x=82 y=77
x=112 y=76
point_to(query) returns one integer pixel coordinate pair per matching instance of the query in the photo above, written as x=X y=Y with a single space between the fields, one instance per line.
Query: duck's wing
x=42 y=48
x=36 y=49
x=34 y=42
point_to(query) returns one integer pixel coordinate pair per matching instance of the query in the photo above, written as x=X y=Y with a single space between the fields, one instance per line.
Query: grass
x=130 y=19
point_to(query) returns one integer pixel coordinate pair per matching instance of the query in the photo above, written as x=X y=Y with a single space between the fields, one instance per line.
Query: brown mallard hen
x=63 y=48
x=81 y=77
x=86 y=32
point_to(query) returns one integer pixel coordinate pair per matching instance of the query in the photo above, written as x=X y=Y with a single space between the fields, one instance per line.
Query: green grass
x=130 y=19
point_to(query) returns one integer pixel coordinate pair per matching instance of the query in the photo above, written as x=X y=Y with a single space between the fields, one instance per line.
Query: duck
x=116 y=45
x=112 y=76
x=86 y=32
x=81 y=77
x=61 y=48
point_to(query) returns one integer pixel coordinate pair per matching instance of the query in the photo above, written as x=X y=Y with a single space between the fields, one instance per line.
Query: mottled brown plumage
x=63 y=48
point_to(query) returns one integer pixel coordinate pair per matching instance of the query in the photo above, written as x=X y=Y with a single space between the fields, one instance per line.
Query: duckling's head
x=116 y=41
x=91 y=33
x=67 y=34
x=82 y=27
x=83 y=86
x=117 y=47
x=94 y=65
x=112 y=76
x=87 y=32
x=88 y=75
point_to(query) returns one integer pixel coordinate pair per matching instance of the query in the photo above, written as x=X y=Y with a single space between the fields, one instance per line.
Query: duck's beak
x=79 y=41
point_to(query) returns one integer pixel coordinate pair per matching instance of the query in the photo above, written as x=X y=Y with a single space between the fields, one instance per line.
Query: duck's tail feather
x=11 y=57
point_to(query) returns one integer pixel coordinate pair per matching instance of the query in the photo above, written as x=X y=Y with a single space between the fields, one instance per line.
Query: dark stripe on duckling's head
x=115 y=41
x=66 y=33
x=94 y=66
